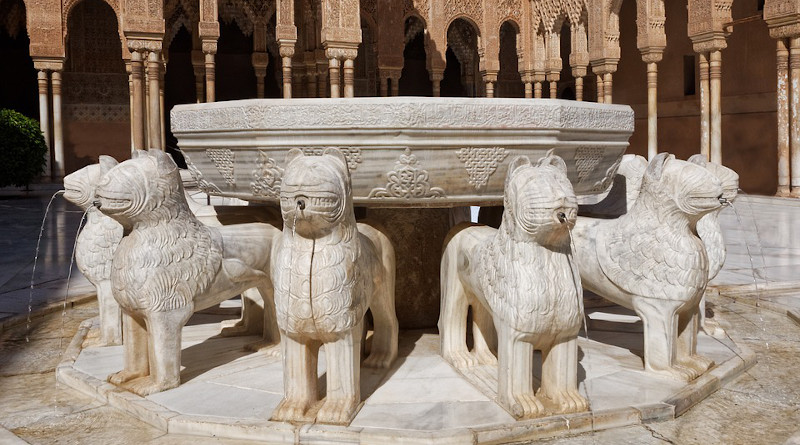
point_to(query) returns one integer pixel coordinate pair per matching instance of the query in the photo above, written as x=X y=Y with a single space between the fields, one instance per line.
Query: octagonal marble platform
x=228 y=392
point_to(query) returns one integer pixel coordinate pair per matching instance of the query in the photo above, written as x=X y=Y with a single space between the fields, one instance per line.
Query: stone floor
x=760 y=406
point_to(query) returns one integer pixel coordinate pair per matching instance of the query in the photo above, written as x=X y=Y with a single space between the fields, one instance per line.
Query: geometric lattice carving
x=352 y=154
x=586 y=159
x=223 y=160
x=481 y=162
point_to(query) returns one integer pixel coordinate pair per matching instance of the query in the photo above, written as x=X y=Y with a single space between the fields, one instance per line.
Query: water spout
x=69 y=278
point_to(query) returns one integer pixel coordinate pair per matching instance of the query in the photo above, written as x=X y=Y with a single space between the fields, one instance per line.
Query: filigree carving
x=586 y=159
x=223 y=160
x=407 y=181
x=266 y=177
x=353 y=155
x=520 y=278
x=481 y=163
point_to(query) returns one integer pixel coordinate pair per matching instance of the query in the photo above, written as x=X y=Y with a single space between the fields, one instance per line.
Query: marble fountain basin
x=402 y=151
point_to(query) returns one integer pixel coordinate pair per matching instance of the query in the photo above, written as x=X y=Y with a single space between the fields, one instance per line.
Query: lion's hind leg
x=560 y=376
x=381 y=304
x=483 y=335
x=454 y=308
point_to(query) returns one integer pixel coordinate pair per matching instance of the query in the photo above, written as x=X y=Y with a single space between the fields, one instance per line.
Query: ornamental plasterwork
x=471 y=8
x=407 y=181
x=223 y=160
x=481 y=163
x=352 y=154
x=266 y=177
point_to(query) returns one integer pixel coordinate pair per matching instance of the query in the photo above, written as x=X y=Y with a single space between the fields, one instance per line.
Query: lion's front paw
x=234 y=328
x=123 y=376
x=461 y=359
x=144 y=386
x=698 y=363
x=485 y=358
x=526 y=406
x=338 y=411
x=677 y=372
x=290 y=410
x=712 y=328
x=569 y=401
x=380 y=359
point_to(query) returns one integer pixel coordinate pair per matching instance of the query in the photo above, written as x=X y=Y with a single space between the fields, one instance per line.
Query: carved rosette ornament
x=223 y=160
x=481 y=163
x=407 y=181
x=352 y=154
x=266 y=177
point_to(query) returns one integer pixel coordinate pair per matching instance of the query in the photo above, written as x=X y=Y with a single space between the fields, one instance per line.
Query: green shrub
x=22 y=149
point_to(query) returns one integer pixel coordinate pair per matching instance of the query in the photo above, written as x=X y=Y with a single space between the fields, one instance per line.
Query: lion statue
x=96 y=245
x=521 y=279
x=170 y=265
x=328 y=271
x=650 y=260
x=710 y=232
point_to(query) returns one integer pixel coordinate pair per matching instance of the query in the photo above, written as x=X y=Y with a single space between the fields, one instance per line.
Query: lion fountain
x=171 y=265
x=521 y=279
x=328 y=271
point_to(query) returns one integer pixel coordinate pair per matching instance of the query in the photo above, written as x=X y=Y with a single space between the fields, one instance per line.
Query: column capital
x=343 y=52
x=48 y=64
x=209 y=46
x=144 y=45
x=652 y=54
x=286 y=47
x=260 y=60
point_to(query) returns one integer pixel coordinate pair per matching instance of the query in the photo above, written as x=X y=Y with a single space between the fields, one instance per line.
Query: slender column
x=528 y=90
x=395 y=85
x=705 y=112
x=128 y=70
x=384 y=86
x=348 y=78
x=44 y=115
x=198 y=65
x=137 y=74
x=286 y=50
x=783 y=119
x=652 y=110
x=58 y=140
x=210 y=77
x=322 y=83
x=601 y=95
x=794 y=155
x=260 y=61
x=715 y=87
x=489 y=89
x=608 y=86
x=552 y=80
x=334 y=75
x=154 y=124
x=579 y=89
x=162 y=68
x=537 y=89
x=436 y=81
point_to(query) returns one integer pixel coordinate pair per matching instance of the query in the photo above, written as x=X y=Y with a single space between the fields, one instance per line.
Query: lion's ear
x=107 y=163
x=516 y=164
x=293 y=154
x=698 y=159
x=553 y=160
x=164 y=162
x=656 y=166
x=337 y=154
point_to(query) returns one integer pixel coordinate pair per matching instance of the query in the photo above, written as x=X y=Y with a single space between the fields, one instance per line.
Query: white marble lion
x=521 y=277
x=328 y=271
x=652 y=261
x=170 y=265
x=96 y=244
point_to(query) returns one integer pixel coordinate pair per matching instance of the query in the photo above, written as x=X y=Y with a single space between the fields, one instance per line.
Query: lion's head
x=539 y=198
x=315 y=192
x=146 y=187
x=694 y=190
x=80 y=185
x=727 y=177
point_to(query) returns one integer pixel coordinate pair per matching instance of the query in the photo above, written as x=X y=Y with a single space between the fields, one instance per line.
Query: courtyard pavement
x=759 y=286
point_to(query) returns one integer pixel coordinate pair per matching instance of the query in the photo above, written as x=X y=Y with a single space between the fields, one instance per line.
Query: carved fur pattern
x=98 y=241
x=649 y=253
x=511 y=289
x=322 y=300
x=177 y=256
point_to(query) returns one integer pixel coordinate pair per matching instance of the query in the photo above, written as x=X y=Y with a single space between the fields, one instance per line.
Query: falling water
x=758 y=239
x=69 y=277
x=35 y=260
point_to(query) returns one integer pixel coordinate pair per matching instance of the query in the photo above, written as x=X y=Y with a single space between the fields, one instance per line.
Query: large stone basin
x=402 y=151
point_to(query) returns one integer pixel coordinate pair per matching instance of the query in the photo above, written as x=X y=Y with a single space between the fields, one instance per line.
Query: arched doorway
x=415 y=80
x=96 y=109
x=461 y=76
x=509 y=82
x=18 y=87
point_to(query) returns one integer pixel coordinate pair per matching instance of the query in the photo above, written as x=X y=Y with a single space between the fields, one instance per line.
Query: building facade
x=101 y=75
